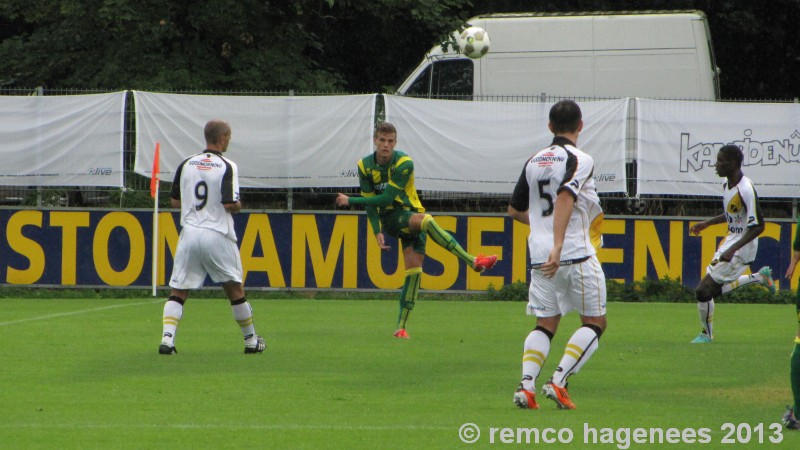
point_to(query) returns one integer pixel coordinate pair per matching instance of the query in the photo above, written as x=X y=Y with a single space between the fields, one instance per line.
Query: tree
x=208 y=44
x=153 y=44
x=327 y=45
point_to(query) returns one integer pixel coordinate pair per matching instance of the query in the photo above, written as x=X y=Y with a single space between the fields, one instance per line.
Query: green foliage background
x=327 y=45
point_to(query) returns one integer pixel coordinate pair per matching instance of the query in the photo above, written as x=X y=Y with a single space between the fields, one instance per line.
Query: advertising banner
x=482 y=147
x=297 y=142
x=338 y=250
x=72 y=140
x=678 y=142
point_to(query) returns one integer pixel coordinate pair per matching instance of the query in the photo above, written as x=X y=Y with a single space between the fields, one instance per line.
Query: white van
x=651 y=54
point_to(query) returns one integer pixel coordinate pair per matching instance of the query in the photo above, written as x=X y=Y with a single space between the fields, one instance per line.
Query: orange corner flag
x=154 y=176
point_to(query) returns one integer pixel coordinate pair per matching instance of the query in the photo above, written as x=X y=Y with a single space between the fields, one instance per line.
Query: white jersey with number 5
x=203 y=183
x=562 y=167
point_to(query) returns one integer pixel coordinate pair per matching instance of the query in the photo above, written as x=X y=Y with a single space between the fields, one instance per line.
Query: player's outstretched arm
x=384 y=199
x=342 y=200
x=700 y=226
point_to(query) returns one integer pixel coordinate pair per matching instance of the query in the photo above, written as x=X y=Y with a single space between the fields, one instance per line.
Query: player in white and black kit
x=556 y=196
x=737 y=251
x=206 y=188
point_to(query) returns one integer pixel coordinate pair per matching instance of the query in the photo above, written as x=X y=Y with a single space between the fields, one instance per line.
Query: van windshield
x=452 y=79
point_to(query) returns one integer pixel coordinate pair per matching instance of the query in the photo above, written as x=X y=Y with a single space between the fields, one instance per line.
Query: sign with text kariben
x=338 y=250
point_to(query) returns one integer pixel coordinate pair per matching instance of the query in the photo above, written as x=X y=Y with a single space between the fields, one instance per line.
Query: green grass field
x=80 y=374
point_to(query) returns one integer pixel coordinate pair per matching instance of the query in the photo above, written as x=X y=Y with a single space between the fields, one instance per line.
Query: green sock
x=794 y=376
x=408 y=295
x=794 y=373
x=797 y=305
x=445 y=239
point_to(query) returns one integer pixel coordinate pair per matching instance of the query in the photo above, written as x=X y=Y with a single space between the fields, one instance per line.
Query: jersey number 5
x=546 y=197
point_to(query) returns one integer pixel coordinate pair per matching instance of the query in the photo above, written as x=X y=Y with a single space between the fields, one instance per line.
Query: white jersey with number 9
x=203 y=183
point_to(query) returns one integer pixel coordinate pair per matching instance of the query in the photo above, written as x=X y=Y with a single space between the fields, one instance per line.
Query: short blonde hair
x=384 y=127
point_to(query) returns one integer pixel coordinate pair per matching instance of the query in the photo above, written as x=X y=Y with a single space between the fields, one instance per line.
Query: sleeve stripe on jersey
x=227 y=183
x=361 y=168
x=570 y=182
x=176 y=182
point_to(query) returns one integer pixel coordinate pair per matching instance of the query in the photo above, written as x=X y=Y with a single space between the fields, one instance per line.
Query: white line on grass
x=75 y=313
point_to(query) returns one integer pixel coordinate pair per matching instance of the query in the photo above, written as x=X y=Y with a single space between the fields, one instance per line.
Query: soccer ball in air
x=474 y=42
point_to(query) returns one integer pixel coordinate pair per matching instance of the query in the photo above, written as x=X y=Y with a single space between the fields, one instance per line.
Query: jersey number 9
x=201 y=194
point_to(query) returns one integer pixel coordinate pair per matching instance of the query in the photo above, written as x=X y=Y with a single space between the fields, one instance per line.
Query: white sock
x=243 y=314
x=706 y=311
x=173 y=311
x=537 y=346
x=743 y=280
x=580 y=348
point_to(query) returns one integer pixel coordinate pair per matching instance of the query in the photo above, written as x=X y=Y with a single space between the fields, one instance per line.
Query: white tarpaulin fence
x=678 y=143
x=457 y=146
x=277 y=141
x=482 y=146
x=72 y=140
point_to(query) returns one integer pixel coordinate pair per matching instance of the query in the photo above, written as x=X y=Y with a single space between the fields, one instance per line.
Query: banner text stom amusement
x=337 y=250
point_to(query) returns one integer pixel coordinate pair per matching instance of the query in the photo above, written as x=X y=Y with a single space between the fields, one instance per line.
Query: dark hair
x=565 y=116
x=384 y=127
x=733 y=152
x=215 y=129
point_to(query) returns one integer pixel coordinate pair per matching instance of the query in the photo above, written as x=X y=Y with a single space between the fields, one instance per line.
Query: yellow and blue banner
x=338 y=250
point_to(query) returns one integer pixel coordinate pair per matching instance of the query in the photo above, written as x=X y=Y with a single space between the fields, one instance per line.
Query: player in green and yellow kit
x=789 y=419
x=386 y=178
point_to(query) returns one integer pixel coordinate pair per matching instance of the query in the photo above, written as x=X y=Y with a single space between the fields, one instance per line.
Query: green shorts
x=395 y=223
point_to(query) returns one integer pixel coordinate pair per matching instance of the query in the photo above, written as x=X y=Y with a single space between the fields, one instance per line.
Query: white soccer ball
x=474 y=42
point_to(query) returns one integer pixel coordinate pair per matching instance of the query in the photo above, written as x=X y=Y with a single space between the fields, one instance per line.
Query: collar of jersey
x=388 y=163
x=562 y=141
x=218 y=153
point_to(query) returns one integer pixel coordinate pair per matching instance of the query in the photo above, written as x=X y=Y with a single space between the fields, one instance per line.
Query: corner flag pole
x=154 y=182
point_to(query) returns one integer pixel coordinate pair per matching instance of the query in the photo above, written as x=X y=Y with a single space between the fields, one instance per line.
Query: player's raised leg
x=763 y=277
x=446 y=240
x=766 y=278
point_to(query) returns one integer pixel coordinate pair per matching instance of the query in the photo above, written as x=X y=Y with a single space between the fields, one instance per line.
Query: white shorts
x=580 y=287
x=725 y=272
x=201 y=252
